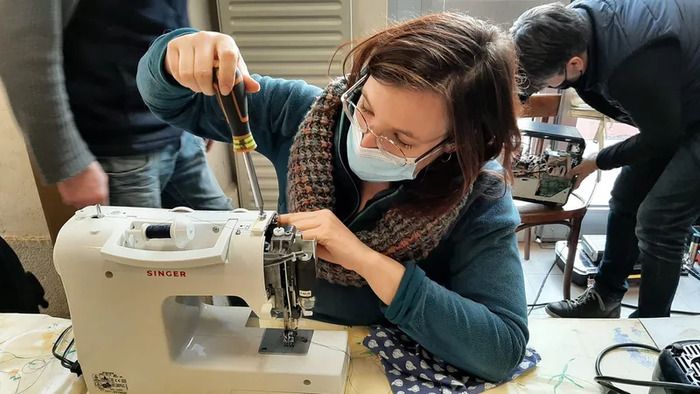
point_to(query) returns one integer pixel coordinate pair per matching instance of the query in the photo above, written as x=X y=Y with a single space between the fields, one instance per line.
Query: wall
x=20 y=211
x=502 y=12
x=368 y=16
x=21 y=218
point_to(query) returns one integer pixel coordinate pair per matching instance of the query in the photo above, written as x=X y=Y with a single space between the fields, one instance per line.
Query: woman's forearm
x=383 y=274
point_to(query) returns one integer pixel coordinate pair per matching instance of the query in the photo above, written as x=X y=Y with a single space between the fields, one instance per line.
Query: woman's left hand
x=336 y=243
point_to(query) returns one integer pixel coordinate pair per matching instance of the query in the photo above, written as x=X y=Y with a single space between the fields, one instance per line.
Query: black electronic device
x=678 y=362
x=677 y=369
x=593 y=246
x=584 y=266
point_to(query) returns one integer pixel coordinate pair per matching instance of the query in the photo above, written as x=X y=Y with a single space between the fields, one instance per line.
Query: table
x=568 y=348
x=26 y=362
x=668 y=330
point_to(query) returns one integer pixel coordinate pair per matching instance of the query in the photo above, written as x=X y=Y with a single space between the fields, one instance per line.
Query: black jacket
x=644 y=70
x=102 y=45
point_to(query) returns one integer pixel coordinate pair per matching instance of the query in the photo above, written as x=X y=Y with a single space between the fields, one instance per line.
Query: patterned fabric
x=411 y=369
x=310 y=187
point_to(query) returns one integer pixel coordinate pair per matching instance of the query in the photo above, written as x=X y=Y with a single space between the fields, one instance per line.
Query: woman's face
x=415 y=120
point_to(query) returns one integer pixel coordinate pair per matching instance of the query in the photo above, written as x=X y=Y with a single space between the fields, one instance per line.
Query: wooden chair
x=546 y=107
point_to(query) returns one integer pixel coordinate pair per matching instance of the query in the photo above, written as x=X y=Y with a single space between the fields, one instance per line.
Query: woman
x=391 y=171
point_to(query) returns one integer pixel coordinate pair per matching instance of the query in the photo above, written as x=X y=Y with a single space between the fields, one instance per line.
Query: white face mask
x=373 y=165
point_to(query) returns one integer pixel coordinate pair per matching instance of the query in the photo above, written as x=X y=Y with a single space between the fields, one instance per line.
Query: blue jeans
x=653 y=205
x=177 y=175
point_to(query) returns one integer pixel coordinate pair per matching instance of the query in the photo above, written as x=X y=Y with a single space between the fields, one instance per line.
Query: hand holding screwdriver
x=191 y=58
x=210 y=63
x=235 y=109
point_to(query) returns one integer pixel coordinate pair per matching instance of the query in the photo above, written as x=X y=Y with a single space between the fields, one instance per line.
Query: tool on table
x=235 y=109
x=135 y=277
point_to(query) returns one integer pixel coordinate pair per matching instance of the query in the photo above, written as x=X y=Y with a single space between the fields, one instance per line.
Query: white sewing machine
x=134 y=278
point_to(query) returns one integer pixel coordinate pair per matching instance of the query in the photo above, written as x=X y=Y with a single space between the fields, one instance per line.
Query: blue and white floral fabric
x=413 y=370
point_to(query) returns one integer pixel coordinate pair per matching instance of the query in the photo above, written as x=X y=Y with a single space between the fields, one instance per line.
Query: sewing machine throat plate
x=273 y=342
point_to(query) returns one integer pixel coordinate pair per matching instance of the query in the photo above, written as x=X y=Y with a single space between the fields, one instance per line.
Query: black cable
x=537 y=297
x=607 y=381
x=73 y=366
x=693 y=273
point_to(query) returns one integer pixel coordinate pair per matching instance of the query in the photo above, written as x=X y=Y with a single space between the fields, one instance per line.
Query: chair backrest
x=543 y=105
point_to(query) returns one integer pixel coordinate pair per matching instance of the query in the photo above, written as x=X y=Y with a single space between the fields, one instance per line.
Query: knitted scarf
x=311 y=188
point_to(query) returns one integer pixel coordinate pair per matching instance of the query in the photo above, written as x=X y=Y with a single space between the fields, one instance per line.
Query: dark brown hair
x=546 y=38
x=472 y=65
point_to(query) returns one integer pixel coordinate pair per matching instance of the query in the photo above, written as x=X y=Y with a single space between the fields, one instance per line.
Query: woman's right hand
x=191 y=59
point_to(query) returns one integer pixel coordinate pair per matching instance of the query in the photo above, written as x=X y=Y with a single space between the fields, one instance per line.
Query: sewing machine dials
x=134 y=278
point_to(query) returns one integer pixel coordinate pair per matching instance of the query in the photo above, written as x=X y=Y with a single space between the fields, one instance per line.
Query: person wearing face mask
x=391 y=170
x=636 y=61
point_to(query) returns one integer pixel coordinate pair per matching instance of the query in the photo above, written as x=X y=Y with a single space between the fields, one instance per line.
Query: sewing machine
x=135 y=278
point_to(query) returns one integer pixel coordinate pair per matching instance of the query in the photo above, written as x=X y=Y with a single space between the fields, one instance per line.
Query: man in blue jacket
x=637 y=61
x=69 y=68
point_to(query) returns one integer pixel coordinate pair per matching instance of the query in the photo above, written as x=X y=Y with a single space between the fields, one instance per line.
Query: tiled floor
x=541 y=259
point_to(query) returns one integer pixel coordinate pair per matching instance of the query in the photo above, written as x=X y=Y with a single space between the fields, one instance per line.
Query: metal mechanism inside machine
x=290 y=274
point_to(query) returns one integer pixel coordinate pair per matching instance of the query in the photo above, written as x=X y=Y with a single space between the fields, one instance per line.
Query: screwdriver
x=235 y=109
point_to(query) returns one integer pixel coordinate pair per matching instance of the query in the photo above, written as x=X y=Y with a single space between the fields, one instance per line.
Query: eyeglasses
x=391 y=148
x=358 y=118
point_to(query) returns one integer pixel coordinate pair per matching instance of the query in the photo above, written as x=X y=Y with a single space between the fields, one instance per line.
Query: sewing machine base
x=223 y=356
